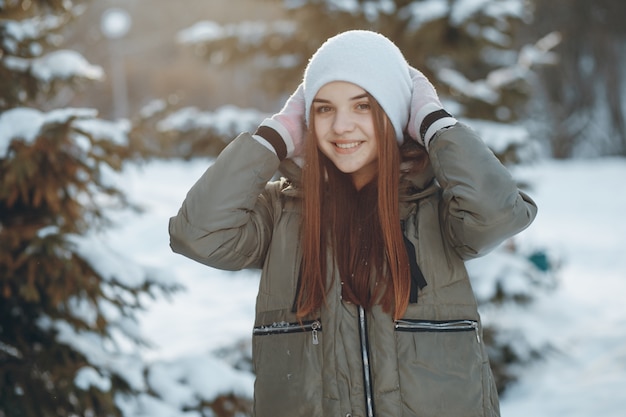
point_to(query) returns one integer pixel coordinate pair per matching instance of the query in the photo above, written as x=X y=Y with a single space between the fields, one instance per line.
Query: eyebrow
x=321 y=100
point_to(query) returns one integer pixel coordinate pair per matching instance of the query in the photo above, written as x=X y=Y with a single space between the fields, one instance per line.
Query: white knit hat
x=369 y=60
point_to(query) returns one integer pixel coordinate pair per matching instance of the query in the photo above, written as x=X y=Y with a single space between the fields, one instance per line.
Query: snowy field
x=581 y=222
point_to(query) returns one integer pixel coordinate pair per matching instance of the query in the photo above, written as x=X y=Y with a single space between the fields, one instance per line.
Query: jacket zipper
x=284 y=327
x=407 y=325
x=365 y=358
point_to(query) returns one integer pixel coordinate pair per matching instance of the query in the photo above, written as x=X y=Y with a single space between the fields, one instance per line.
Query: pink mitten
x=285 y=130
x=427 y=113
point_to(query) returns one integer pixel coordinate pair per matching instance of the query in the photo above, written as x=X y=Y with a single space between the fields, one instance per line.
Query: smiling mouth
x=349 y=145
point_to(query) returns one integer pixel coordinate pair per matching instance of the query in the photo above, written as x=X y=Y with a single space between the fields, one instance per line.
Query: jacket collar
x=413 y=186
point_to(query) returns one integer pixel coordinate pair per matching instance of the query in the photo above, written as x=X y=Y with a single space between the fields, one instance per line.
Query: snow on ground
x=581 y=221
x=582 y=207
x=216 y=308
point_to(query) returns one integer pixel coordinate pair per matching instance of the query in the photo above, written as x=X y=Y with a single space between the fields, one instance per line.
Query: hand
x=427 y=113
x=289 y=124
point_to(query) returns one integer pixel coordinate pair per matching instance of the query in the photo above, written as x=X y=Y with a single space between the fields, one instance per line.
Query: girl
x=364 y=306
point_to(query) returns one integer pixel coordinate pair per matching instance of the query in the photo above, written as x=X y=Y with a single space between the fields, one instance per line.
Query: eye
x=323 y=109
x=363 y=106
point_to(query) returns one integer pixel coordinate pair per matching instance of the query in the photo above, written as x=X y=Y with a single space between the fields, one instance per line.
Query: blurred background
x=92 y=90
x=156 y=61
x=559 y=62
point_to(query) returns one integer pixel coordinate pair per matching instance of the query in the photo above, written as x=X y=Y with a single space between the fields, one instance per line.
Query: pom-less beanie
x=369 y=60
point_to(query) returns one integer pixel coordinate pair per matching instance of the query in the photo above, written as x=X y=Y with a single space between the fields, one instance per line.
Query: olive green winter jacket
x=347 y=361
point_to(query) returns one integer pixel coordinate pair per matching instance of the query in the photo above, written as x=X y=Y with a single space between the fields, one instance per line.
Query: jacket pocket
x=287 y=362
x=411 y=325
x=442 y=368
x=312 y=326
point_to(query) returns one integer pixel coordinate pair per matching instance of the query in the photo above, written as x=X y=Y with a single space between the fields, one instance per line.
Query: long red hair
x=328 y=225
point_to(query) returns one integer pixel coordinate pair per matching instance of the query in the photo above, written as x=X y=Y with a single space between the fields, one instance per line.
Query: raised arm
x=481 y=204
x=227 y=218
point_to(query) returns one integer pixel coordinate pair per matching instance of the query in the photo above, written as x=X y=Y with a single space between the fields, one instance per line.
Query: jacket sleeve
x=226 y=218
x=481 y=204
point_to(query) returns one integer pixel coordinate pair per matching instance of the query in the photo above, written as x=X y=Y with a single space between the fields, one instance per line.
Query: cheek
x=368 y=126
x=321 y=132
x=318 y=128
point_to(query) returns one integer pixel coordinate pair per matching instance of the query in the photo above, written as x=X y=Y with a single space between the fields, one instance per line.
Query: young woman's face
x=344 y=125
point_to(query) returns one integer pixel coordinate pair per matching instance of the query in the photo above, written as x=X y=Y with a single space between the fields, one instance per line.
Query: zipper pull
x=314 y=326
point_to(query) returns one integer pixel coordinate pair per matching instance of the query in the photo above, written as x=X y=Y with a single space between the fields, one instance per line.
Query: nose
x=343 y=122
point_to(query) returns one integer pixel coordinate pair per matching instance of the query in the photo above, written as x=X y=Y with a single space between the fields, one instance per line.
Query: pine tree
x=467 y=49
x=66 y=308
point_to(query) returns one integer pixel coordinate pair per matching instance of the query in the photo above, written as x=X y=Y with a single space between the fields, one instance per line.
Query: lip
x=347 y=146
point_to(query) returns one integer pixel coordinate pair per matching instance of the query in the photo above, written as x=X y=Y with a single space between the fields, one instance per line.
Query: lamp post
x=115 y=23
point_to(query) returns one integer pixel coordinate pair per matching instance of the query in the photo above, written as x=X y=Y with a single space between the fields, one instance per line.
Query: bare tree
x=583 y=94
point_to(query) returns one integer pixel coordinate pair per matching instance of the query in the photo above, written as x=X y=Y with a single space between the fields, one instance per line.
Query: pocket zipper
x=437 y=326
x=284 y=327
